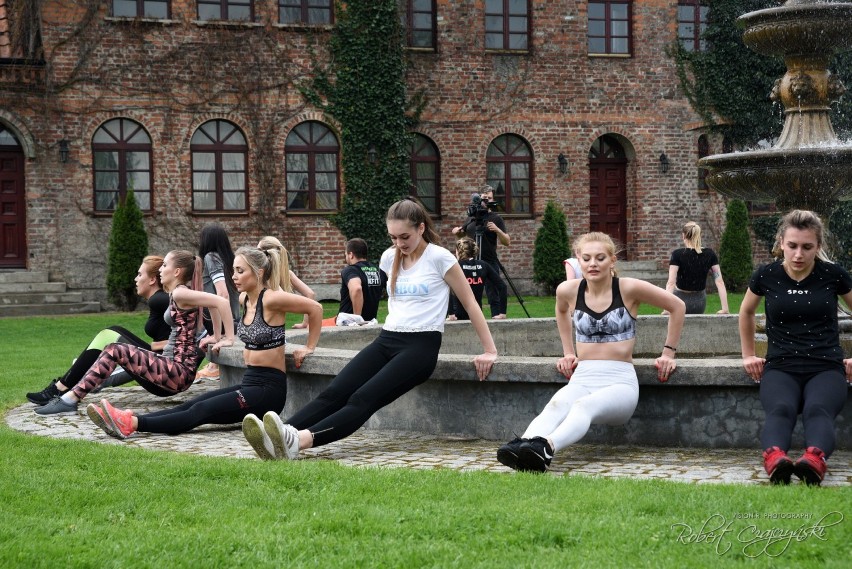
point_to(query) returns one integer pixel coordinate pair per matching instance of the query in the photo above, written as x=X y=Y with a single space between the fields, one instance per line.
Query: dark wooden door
x=608 y=189
x=13 y=214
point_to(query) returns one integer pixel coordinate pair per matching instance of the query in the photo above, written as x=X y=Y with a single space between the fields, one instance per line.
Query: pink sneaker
x=811 y=466
x=778 y=465
x=122 y=421
x=100 y=418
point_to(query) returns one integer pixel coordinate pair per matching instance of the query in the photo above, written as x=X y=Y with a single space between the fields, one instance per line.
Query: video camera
x=478 y=208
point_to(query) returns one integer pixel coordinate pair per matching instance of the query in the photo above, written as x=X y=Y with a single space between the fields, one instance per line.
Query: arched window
x=703 y=150
x=121 y=151
x=312 y=158
x=507 y=24
x=8 y=139
x=425 y=167
x=509 y=172
x=610 y=27
x=219 y=172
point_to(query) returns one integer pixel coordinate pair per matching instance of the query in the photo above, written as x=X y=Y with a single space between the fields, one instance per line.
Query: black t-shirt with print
x=801 y=317
x=373 y=281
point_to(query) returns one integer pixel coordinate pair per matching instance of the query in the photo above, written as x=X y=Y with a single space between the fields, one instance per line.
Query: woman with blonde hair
x=603 y=388
x=173 y=371
x=688 y=268
x=403 y=355
x=257 y=276
x=289 y=281
x=804 y=370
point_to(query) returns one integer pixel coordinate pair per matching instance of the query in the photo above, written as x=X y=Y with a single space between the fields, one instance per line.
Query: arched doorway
x=13 y=213
x=608 y=188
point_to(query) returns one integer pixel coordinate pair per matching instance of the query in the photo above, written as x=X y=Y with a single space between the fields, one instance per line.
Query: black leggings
x=392 y=365
x=262 y=389
x=88 y=356
x=818 y=397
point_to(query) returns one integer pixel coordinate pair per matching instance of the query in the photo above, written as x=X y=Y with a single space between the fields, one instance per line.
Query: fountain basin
x=807 y=178
x=708 y=402
x=798 y=28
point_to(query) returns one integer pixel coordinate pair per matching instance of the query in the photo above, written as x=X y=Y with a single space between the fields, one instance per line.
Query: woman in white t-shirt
x=402 y=357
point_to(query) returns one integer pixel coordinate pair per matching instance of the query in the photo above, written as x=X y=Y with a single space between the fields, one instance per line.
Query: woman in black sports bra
x=602 y=388
x=257 y=276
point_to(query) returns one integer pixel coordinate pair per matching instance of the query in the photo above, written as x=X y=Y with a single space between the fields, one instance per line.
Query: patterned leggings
x=161 y=375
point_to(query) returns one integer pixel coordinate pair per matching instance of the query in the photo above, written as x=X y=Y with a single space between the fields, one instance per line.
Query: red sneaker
x=778 y=465
x=122 y=421
x=811 y=466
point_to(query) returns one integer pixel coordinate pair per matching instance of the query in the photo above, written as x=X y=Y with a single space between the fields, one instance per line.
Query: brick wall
x=173 y=76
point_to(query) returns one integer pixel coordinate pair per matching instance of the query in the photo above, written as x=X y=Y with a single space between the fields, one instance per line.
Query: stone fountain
x=807 y=168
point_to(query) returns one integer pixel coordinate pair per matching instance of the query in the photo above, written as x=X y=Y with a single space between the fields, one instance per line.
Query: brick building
x=194 y=104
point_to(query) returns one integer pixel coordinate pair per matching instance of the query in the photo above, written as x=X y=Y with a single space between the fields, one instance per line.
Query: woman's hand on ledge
x=665 y=367
x=753 y=366
x=566 y=364
x=223 y=343
x=299 y=355
x=483 y=364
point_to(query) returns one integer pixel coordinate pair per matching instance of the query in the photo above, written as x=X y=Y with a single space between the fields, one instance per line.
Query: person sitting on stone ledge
x=688 y=268
x=257 y=276
x=404 y=354
x=602 y=384
x=804 y=369
x=173 y=371
x=149 y=287
x=477 y=272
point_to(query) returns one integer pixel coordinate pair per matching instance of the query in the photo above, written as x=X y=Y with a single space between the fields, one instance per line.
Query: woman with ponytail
x=289 y=281
x=403 y=355
x=173 y=371
x=257 y=276
x=688 y=270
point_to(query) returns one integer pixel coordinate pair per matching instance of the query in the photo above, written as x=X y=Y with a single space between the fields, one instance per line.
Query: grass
x=84 y=504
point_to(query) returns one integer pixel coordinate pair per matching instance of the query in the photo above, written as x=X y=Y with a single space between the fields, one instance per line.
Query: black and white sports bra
x=259 y=335
x=615 y=324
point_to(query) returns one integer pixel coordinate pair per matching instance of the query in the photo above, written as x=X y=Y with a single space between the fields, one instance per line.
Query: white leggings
x=601 y=392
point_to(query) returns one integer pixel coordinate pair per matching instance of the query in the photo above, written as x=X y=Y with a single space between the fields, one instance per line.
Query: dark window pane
x=619 y=45
x=138 y=181
x=597 y=45
x=105 y=201
x=597 y=29
x=618 y=11
x=297 y=200
x=517 y=6
x=233 y=181
x=619 y=29
x=233 y=161
x=143 y=200
x=421 y=39
x=518 y=41
x=106 y=160
x=239 y=13
x=425 y=5
x=319 y=16
x=209 y=12
x=326 y=162
x=123 y=8
x=233 y=200
x=138 y=160
x=158 y=10
x=597 y=11
x=517 y=24
x=204 y=181
x=493 y=23
x=326 y=200
x=297 y=162
x=106 y=181
x=494 y=6
x=204 y=200
x=494 y=41
x=423 y=21
x=290 y=15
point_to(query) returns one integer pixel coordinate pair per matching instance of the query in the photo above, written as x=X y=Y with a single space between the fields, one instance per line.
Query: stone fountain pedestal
x=708 y=402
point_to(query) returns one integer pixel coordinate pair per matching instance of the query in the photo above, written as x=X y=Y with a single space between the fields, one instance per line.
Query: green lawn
x=81 y=504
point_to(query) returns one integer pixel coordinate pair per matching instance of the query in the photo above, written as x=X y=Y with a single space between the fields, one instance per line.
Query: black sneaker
x=534 y=455
x=45 y=395
x=508 y=453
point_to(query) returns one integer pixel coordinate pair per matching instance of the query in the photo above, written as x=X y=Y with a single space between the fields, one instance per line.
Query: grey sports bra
x=615 y=324
x=259 y=335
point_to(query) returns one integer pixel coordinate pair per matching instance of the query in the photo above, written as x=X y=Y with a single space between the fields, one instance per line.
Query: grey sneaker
x=258 y=439
x=57 y=406
x=285 y=438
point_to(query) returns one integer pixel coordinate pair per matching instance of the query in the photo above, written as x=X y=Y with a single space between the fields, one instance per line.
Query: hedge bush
x=128 y=245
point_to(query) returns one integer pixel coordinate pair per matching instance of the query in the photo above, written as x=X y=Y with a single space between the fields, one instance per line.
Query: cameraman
x=492 y=228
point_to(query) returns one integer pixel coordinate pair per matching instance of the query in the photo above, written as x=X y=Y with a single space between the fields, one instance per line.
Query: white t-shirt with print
x=420 y=301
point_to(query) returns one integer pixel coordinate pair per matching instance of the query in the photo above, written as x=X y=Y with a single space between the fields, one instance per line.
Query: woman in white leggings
x=602 y=387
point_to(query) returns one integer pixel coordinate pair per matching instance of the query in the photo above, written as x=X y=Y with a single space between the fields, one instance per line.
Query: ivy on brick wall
x=728 y=84
x=364 y=89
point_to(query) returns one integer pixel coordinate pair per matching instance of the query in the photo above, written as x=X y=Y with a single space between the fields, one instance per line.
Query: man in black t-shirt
x=494 y=229
x=362 y=282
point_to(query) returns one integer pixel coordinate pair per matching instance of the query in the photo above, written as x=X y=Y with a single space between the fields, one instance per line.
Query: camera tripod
x=480 y=229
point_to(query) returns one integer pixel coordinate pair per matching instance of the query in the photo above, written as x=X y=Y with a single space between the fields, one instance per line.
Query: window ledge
x=507 y=51
x=138 y=20
x=612 y=55
x=218 y=213
x=98 y=214
x=305 y=27
x=414 y=49
x=226 y=24
x=307 y=213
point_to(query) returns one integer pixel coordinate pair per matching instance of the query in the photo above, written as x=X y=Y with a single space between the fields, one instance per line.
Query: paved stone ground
x=414 y=450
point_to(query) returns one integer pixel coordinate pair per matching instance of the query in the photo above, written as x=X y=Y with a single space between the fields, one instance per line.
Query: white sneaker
x=285 y=438
x=256 y=436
